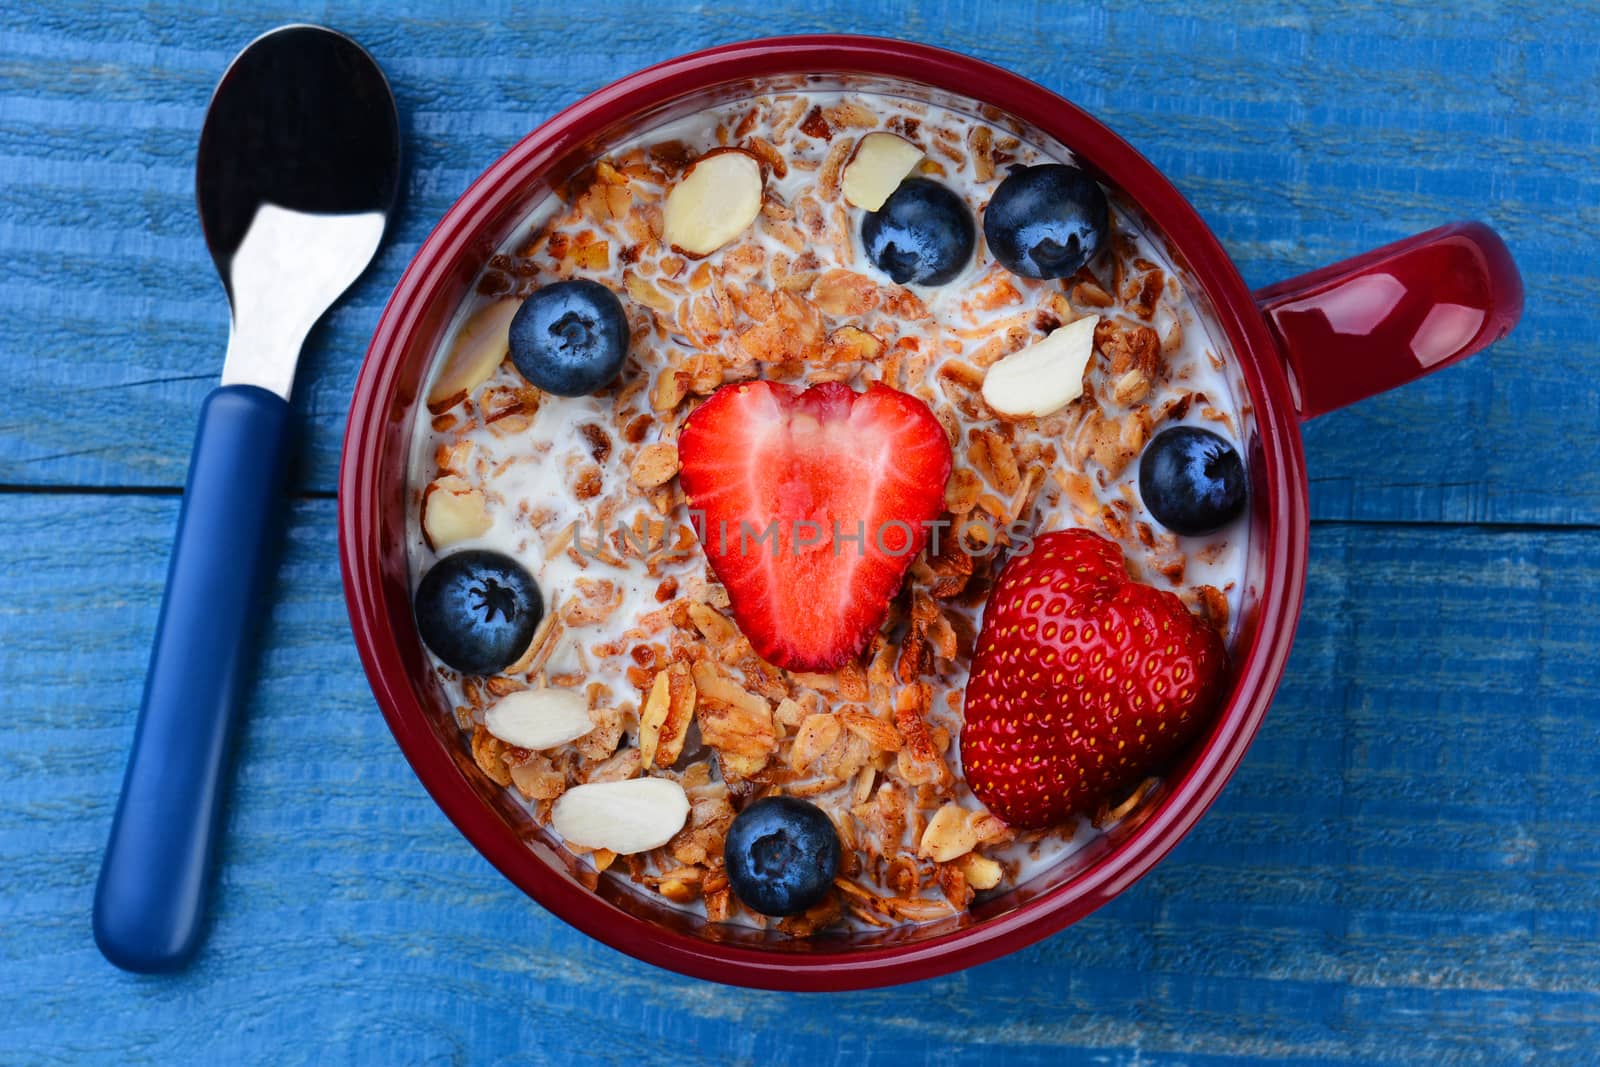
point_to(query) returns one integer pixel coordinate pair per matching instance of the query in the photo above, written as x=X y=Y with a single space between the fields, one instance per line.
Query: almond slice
x=880 y=163
x=453 y=511
x=716 y=200
x=981 y=872
x=480 y=347
x=634 y=815
x=1044 y=377
x=655 y=465
x=949 y=834
x=539 y=718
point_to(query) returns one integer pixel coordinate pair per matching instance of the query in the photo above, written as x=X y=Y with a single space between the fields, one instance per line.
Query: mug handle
x=1364 y=325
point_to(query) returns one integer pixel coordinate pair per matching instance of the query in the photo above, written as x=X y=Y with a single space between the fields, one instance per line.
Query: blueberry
x=782 y=854
x=1192 y=480
x=1046 y=221
x=923 y=233
x=570 y=338
x=477 y=610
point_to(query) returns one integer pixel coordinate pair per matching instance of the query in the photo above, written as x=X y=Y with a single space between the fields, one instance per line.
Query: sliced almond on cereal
x=880 y=163
x=949 y=835
x=539 y=718
x=480 y=347
x=1044 y=377
x=634 y=815
x=716 y=200
x=653 y=715
x=655 y=465
x=850 y=344
x=453 y=511
x=981 y=872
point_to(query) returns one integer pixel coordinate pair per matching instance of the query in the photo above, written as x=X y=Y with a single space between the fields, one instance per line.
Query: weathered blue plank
x=1403 y=870
x=1297 y=134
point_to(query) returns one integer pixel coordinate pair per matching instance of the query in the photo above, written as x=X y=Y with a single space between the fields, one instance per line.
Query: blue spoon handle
x=149 y=907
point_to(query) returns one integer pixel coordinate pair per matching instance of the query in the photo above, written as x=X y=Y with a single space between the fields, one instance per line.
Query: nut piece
x=664 y=720
x=539 y=718
x=453 y=511
x=480 y=347
x=716 y=200
x=713 y=626
x=881 y=161
x=1044 y=377
x=878 y=733
x=655 y=465
x=735 y=722
x=816 y=736
x=651 y=717
x=981 y=871
x=949 y=834
x=850 y=344
x=633 y=815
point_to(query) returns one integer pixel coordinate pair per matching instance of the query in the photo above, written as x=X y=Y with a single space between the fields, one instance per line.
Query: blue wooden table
x=1406 y=867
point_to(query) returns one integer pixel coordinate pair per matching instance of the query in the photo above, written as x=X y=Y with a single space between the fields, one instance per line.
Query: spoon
x=297 y=171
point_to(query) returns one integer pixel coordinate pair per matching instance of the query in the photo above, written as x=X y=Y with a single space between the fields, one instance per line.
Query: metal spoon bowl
x=298 y=167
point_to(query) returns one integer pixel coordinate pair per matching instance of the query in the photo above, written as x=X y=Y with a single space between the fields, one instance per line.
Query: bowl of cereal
x=823 y=512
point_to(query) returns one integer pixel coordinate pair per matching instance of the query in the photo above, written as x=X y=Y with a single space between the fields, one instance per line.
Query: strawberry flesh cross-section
x=811 y=506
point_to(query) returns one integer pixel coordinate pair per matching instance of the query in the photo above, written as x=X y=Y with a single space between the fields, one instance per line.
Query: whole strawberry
x=1084 y=681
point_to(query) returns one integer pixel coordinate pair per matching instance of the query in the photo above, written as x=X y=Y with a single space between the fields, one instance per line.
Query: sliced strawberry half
x=811 y=506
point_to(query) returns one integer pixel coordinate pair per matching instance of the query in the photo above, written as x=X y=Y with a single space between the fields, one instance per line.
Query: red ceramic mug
x=1301 y=348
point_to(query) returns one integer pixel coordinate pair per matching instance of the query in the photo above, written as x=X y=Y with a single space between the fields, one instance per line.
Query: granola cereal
x=584 y=492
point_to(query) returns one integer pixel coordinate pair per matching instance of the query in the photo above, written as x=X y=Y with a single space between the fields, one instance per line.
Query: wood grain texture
x=1303 y=136
x=1403 y=869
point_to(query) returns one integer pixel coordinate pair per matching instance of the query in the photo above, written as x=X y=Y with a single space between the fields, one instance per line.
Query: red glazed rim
x=1279 y=533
